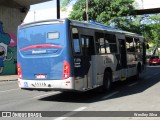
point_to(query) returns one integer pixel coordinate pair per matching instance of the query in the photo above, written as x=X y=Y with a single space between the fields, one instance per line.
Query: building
x=12 y=13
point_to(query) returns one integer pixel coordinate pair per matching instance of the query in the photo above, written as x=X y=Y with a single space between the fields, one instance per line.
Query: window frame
x=96 y=46
x=113 y=37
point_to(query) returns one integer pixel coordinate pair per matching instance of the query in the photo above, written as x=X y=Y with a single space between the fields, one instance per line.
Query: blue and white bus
x=78 y=56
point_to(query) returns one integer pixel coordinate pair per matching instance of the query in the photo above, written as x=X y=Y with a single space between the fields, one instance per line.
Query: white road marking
x=105 y=97
x=45 y=95
x=70 y=113
x=132 y=84
x=9 y=90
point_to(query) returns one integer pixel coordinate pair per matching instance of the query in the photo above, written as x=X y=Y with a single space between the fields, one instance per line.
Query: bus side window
x=138 y=45
x=91 y=46
x=76 y=41
x=130 y=46
x=83 y=45
x=107 y=46
x=76 y=46
x=110 y=43
x=100 y=46
x=87 y=45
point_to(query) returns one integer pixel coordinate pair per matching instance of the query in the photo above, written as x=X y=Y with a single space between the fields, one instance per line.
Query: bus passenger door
x=87 y=50
x=78 y=57
x=123 y=59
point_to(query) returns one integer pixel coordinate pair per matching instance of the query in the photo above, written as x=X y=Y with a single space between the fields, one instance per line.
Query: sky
x=47 y=10
x=50 y=4
x=149 y=3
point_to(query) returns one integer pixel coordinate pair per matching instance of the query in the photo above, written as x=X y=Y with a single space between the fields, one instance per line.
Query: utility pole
x=87 y=10
x=58 y=9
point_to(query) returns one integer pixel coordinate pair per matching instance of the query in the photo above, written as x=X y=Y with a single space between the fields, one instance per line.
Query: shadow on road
x=147 y=80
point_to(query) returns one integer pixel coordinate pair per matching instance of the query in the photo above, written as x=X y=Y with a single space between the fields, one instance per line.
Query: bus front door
x=88 y=50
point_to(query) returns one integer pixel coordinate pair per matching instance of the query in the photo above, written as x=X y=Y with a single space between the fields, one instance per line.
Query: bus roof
x=89 y=24
x=95 y=25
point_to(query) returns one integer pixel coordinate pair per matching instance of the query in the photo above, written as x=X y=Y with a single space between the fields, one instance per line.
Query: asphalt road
x=131 y=95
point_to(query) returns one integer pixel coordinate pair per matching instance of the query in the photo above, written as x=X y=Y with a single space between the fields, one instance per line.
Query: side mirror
x=147 y=46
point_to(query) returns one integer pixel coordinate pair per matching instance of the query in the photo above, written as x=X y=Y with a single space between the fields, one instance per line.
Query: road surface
x=141 y=95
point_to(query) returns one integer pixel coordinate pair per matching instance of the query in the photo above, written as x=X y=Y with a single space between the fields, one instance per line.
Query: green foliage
x=152 y=30
x=147 y=25
x=131 y=24
x=64 y=3
x=104 y=11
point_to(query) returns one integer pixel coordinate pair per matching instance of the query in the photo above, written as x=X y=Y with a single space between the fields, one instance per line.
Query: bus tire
x=107 y=82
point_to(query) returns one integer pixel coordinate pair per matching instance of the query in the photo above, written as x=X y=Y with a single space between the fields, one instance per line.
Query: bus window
x=76 y=41
x=87 y=45
x=76 y=45
x=87 y=42
x=138 y=46
x=100 y=46
x=83 y=45
x=53 y=35
x=130 y=44
x=110 y=43
x=141 y=47
x=107 y=47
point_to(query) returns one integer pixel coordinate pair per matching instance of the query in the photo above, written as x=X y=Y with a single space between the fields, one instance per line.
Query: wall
x=10 y=18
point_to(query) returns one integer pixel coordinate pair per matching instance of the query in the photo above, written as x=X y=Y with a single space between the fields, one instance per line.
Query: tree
x=151 y=31
x=105 y=11
x=64 y=3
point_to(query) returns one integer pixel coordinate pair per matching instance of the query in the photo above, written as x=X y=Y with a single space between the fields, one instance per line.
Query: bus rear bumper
x=67 y=84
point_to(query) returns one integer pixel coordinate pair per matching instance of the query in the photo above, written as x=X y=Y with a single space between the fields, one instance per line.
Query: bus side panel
x=107 y=61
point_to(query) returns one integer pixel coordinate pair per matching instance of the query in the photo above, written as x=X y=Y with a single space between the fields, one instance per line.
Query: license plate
x=40 y=84
x=40 y=76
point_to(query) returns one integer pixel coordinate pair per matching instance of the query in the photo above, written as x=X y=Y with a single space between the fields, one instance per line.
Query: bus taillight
x=19 y=71
x=66 y=70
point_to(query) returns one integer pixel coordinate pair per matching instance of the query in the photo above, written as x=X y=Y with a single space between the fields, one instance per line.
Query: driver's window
x=76 y=41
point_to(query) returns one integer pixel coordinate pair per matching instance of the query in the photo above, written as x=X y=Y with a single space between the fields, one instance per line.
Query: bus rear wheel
x=107 y=82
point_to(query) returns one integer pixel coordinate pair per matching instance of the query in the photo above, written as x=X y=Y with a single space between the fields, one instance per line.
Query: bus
x=68 y=55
